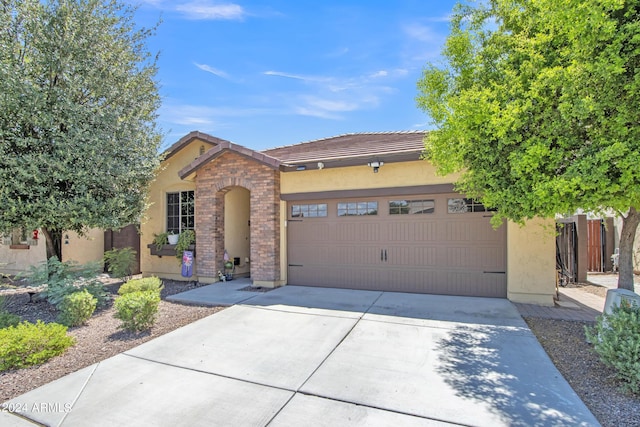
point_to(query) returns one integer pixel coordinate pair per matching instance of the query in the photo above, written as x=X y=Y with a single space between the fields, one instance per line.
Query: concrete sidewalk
x=575 y=303
x=323 y=357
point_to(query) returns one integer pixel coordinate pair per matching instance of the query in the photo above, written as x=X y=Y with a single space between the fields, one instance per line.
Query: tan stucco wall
x=531 y=263
x=405 y=174
x=154 y=220
x=237 y=240
x=83 y=249
x=14 y=261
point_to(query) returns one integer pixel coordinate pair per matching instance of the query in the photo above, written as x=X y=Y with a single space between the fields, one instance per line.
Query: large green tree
x=537 y=103
x=78 y=103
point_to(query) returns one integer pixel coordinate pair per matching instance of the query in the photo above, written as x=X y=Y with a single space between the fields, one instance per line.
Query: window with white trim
x=180 y=211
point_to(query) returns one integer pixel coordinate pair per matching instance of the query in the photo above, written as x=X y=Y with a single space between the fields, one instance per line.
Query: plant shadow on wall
x=488 y=364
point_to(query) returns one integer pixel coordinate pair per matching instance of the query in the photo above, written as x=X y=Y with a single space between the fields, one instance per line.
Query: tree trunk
x=627 y=237
x=54 y=243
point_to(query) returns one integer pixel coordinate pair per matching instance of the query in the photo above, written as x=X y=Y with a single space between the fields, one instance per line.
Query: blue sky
x=270 y=73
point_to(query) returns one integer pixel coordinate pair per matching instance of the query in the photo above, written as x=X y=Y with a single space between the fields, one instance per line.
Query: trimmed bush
x=98 y=291
x=8 y=319
x=28 y=344
x=616 y=339
x=137 y=310
x=77 y=308
x=120 y=262
x=143 y=284
x=65 y=278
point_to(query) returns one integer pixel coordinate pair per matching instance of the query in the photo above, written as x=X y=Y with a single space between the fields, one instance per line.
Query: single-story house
x=22 y=249
x=359 y=211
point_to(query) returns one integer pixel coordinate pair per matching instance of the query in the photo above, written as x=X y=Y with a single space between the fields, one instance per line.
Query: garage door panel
x=352 y=255
x=421 y=256
x=409 y=232
x=353 y=231
x=352 y=277
x=432 y=252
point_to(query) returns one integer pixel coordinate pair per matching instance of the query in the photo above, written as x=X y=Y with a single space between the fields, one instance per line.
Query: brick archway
x=263 y=182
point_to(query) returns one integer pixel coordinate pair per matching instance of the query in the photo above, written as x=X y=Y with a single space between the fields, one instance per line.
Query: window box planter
x=20 y=246
x=168 y=250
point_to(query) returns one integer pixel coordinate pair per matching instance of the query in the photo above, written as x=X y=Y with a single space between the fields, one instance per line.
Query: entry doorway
x=237 y=226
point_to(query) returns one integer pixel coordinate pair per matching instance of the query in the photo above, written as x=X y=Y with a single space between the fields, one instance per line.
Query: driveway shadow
x=511 y=374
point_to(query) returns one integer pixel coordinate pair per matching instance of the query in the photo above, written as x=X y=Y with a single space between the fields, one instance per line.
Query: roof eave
x=189 y=171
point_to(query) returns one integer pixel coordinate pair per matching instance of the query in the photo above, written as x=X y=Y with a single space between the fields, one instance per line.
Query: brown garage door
x=441 y=244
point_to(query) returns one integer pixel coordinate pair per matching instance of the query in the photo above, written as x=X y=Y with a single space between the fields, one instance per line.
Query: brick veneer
x=212 y=182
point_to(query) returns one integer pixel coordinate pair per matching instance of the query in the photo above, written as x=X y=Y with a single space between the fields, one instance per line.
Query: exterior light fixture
x=375 y=165
x=301 y=168
x=320 y=165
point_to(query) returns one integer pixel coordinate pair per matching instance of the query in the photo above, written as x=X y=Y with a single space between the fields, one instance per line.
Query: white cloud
x=422 y=33
x=214 y=71
x=206 y=10
x=381 y=73
x=296 y=76
x=332 y=97
x=315 y=112
x=331 y=105
x=185 y=114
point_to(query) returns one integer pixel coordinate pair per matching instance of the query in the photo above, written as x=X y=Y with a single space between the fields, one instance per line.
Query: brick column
x=263 y=183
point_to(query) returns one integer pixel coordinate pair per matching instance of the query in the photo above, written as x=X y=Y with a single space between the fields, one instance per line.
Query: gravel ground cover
x=101 y=338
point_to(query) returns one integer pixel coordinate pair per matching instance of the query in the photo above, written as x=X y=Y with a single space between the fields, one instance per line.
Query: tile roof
x=349 y=146
x=186 y=140
x=221 y=148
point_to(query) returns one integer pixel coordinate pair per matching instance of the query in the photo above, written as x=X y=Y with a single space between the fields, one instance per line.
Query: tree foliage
x=538 y=104
x=78 y=102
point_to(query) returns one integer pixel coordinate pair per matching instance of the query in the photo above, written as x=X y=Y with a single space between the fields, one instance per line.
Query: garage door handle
x=296 y=265
x=494 y=272
x=385 y=255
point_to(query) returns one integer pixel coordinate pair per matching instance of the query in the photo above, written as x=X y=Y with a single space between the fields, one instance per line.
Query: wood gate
x=595 y=245
x=127 y=237
x=566 y=249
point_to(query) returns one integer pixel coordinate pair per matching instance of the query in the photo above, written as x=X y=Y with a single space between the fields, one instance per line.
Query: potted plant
x=160 y=240
x=186 y=239
x=173 y=238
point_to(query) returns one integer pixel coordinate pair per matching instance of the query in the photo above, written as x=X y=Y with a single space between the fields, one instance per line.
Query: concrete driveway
x=301 y=356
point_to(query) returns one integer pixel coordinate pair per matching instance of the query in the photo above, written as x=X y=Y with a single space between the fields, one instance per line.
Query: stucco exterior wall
x=154 y=220
x=83 y=249
x=404 y=174
x=14 y=261
x=531 y=264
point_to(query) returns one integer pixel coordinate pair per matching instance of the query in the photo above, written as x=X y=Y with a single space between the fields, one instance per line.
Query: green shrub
x=97 y=290
x=616 y=339
x=7 y=319
x=64 y=278
x=29 y=344
x=137 y=310
x=77 y=308
x=120 y=262
x=143 y=284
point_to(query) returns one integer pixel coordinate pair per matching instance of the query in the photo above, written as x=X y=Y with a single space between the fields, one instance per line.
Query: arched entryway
x=237 y=229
